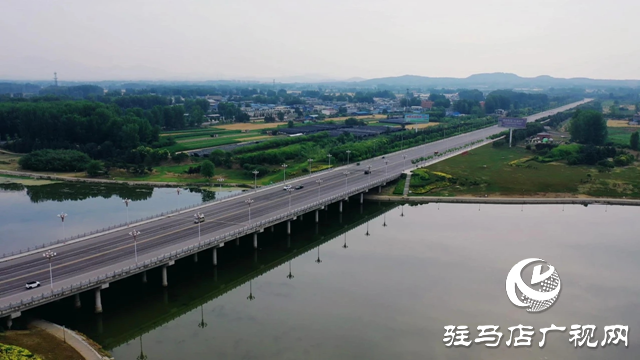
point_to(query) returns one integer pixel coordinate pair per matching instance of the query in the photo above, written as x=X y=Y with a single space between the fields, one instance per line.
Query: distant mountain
x=494 y=81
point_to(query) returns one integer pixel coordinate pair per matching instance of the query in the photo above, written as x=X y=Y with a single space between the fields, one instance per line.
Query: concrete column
x=273 y=228
x=195 y=257
x=379 y=189
x=215 y=256
x=98 y=301
x=165 y=283
x=76 y=301
x=317 y=216
x=361 y=198
x=9 y=322
x=238 y=241
x=144 y=277
x=288 y=227
x=255 y=240
x=340 y=205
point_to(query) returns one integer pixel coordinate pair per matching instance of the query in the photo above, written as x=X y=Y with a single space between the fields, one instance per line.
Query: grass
x=210 y=142
x=486 y=170
x=399 y=188
x=620 y=135
x=41 y=343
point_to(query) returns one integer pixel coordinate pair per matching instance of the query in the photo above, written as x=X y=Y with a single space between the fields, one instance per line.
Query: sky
x=317 y=39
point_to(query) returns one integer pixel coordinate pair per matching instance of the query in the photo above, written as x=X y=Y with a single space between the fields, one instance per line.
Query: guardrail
x=188 y=250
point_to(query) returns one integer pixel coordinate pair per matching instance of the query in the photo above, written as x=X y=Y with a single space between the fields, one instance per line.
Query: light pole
x=249 y=202
x=290 y=276
x=329 y=156
x=386 y=162
x=220 y=180
x=250 y=297
x=284 y=169
x=310 y=161
x=369 y=169
x=348 y=152
x=126 y=203
x=290 y=191
x=255 y=180
x=318 y=260
x=319 y=182
x=404 y=160
x=198 y=216
x=135 y=234
x=346 y=176
x=50 y=255
x=202 y=324
x=62 y=216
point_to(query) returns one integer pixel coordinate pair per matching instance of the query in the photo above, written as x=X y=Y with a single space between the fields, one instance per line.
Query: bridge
x=91 y=263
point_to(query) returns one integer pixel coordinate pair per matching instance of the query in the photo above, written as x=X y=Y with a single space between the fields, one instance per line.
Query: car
x=384 y=157
x=286 y=187
x=367 y=172
x=32 y=284
x=299 y=187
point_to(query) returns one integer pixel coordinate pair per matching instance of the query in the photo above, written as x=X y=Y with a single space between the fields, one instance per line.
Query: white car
x=32 y=284
x=287 y=187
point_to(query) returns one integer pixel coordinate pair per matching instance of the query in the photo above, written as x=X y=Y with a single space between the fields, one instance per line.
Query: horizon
x=88 y=41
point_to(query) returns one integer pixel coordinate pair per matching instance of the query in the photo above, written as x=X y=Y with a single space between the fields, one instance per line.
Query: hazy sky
x=213 y=39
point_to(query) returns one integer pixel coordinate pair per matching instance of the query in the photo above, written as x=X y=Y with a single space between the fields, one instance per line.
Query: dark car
x=299 y=187
x=366 y=172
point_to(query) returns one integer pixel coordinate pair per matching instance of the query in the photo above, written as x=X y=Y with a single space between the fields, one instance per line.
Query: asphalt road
x=80 y=260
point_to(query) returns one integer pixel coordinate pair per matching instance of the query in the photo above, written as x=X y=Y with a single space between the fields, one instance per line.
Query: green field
x=486 y=171
x=210 y=142
x=620 y=135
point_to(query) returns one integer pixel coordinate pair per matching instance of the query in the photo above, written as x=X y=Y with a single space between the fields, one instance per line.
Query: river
x=379 y=281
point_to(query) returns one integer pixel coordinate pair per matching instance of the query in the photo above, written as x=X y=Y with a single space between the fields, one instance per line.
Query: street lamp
x=386 y=162
x=126 y=203
x=348 y=152
x=62 y=216
x=284 y=169
x=198 y=216
x=346 y=176
x=249 y=202
x=250 y=297
x=318 y=260
x=202 y=324
x=310 y=161
x=329 y=156
x=220 y=180
x=290 y=276
x=255 y=180
x=319 y=182
x=369 y=168
x=50 y=255
x=135 y=234
x=404 y=160
x=290 y=191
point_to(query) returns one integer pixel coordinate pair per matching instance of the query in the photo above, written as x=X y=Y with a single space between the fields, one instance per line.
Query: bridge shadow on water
x=133 y=308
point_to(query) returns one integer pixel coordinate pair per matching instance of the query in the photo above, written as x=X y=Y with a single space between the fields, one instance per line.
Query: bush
x=17 y=353
x=55 y=160
x=499 y=143
x=180 y=157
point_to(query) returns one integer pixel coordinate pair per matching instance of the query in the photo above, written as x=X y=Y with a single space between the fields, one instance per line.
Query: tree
x=269 y=119
x=94 y=168
x=588 y=127
x=633 y=143
x=207 y=169
x=280 y=116
x=475 y=95
x=290 y=124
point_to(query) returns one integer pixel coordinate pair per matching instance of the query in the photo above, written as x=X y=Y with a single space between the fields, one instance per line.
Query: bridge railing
x=95 y=282
x=426 y=161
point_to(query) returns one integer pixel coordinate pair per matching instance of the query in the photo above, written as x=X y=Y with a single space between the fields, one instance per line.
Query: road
x=105 y=253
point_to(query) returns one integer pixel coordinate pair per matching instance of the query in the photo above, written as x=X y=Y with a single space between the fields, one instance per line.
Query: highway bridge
x=93 y=262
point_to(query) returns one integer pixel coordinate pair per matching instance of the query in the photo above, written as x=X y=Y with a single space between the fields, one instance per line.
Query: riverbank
x=40 y=343
x=506 y=200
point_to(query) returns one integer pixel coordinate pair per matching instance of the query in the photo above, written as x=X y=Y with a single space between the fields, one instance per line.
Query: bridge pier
x=165 y=283
x=288 y=227
x=98 y=309
x=361 y=198
x=144 y=277
x=340 y=205
x=238 y=241
x=273 y=228
x=317 y=216
x=9 y=322
x=215 y=256
x=379 y=189
x=195 y=257
x=76 y=301
x=255 y=240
